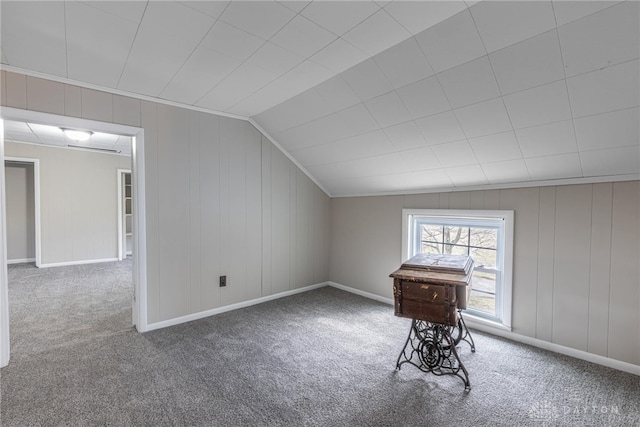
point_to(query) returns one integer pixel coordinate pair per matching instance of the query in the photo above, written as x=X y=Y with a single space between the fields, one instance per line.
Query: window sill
x=480 y=322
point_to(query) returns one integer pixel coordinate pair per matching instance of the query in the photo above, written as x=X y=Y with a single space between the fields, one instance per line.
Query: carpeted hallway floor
x=320 y=358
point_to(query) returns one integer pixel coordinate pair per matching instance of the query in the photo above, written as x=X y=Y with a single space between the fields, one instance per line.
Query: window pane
x=484 y=237
x=431 y=248
x=455 y=250
x=483 y=257
x=431 y=233
x=483 y=292
x=456 y=235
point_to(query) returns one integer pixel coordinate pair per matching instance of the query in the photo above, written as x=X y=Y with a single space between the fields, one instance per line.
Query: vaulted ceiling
x=371 y=97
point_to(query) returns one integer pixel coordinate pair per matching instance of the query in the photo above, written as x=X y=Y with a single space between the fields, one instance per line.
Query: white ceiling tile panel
x=568 y=11
x=424 y=98
x=339 y=16
x=130 y=10
x=320 y=131
x=376 y=33
x=613 y=88
x=275 y=92
x=167 y=36
x=544 y=104
x=339 y=56
x=405 y=136
x=612 y=161
x=440 y=128
x=300 y=109
x=359 y=119
x=554 y=167
x=361 y=146
x=608 y=130
x=404 y=63
x=603 y=39
x=295 y=5
x=245 y=80
x=417 y=16
x=506 y=171
x=484 y=118
x=49 y=134
x=303 y=37
x=337 y=93
x=212 y=8
x=33 y=36
x=367 y=80
x=502 y=24
x=528 y=64
x=420 y=159
x=457 y=153
x=387 y=109
x=98 y=44
x=496 y=147
x=231 y=41
x=371 y=166
x=466 y=175
x=275 y=58
x=469 y=83
x=260 y=18
x=451 y=42
x=204 y=69
x=547 y=140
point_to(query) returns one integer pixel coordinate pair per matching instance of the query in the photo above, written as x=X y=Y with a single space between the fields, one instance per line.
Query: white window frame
x=475 y=217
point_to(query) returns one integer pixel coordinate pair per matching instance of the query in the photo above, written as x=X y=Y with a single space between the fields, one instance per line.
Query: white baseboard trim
x=535 y=342
x=361 y=293
x=86 y=261
x=20 y=261
x=230 y=307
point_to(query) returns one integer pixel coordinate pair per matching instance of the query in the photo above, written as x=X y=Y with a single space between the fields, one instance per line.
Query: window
x=486 y=236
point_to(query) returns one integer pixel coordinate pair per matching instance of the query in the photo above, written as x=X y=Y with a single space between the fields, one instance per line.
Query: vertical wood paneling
x=81 y=222
x=444 y=200
x=149 y=119
x=45 y=95
x=126 y=110
x=624 y=311
x=293 y=237
x=546 y=256
x=571 y=275
x=195 y=232
x=476 y=200
x=225 y=212
x=97 y=105
x=3 y=88
x=16 y=90
x=236 y=289
x=460 y=200
x=72 y=101
x=491 y=199
x=254 y=212
x=267 y=228
x=525 y=252
x=173 y=208
x=210 y=217
x=280 y=222
x=422 y=201
x=302 y=240
x=600 y=268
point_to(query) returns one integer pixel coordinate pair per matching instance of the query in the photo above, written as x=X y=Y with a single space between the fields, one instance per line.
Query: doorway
x=137 y=217
x=22 y=185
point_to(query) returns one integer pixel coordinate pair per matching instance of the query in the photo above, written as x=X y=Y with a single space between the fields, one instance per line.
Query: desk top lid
x=460 y=264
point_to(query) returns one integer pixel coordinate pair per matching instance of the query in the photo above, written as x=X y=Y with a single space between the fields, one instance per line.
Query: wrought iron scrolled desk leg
x=430 y=348
x=466 y=335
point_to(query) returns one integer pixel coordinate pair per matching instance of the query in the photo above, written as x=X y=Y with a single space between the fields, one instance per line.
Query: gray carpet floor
x=320 y=358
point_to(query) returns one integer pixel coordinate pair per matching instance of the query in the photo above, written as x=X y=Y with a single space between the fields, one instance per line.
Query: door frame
x=139 y=212
x=36 y=196
x=122 y=244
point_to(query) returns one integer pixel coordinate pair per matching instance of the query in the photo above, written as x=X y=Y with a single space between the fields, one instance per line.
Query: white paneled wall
x=220 y=200
x=78 y=199
x=576 y=257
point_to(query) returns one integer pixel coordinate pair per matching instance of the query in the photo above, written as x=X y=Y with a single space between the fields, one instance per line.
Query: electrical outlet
x=223 y=281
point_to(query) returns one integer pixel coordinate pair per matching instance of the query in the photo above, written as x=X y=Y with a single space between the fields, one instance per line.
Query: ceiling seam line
x=135 y=36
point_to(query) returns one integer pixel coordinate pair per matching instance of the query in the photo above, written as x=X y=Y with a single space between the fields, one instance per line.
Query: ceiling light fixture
x=77 y=135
